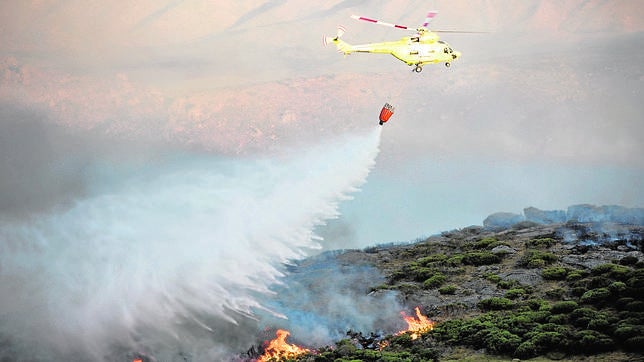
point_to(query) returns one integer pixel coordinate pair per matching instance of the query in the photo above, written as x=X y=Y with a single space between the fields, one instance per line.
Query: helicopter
x=422 y=48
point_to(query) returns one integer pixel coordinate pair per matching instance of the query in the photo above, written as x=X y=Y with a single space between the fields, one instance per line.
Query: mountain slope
x=554 y=290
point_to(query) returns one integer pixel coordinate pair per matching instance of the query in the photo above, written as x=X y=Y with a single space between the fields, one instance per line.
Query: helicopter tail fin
x=343 y=47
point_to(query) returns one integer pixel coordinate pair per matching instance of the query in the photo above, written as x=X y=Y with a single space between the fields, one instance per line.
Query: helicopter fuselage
x=418 y=50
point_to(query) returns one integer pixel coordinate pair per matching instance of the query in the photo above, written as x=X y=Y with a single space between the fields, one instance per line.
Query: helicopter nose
x=456 y=55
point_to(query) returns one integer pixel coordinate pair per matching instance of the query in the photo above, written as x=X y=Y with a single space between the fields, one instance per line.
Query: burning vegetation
x=371 y=348
x=278 y=349
x=418 y=325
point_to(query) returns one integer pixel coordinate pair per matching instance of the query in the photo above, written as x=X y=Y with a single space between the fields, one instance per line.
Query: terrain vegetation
x=566 y=290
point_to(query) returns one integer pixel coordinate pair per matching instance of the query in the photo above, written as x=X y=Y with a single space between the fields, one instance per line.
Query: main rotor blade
x=429 y=17
x=374 y=21
x=460 y=31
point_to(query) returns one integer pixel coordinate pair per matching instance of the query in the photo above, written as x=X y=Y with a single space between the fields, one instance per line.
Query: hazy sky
x=554 y=87
x=115 y=116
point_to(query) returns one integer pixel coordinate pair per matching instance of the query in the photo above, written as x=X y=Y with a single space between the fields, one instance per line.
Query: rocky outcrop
x=502 y=220
x=583 y=213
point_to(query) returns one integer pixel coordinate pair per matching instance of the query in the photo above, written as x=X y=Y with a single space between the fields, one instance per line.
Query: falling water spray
x=170 y=258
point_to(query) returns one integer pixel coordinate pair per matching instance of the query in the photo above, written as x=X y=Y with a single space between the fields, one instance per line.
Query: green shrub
x=434 y=281
x=560 y=319
x=595 y=296
x=554 y=273
x=493 y=278
x=557 y=293
x=580 y=317
x=628 y=260
x=563 y=307
x=403 y=340
x=636 y=280
x=526 y=349
x=538 y=304
x=536 y=259
x=478 y=258
x=594 y=342
x=502 y=342
x=574 y=275
x=542 y=243
x=455 y=260
x=578 y=291
x=447 y=289
x=626 y=331
x=495 y=304
x=600 y=323
x=613 y=271
x=617 y=287
x=515 y=293
x=485 y=243
x=421 y=274
x=427 y=260
x=548 y=340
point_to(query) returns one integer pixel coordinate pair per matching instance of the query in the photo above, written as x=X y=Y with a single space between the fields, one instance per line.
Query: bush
x=536 y=259
x=480 y=258
x=485 y=243
x=542 y=243
x=538 y=304
x=493 y=278
x=595 y=296
x=455 y=260
x=448 y=289
x=594 y=342
x=507 y=284
x=526 y=349
x=548 y=340
x=427 y=260
x=515 y=293
x=600 y=324
x=558 y=293
x=495 y=304
x=554 y=273
x=560 y=319
x=502 y=342
x=628 y=260
x=613 y=271
x=580 y=317
x=434 y=281
x=563 y=307
x=420 y=274
x=574 y=275
x=617 y=287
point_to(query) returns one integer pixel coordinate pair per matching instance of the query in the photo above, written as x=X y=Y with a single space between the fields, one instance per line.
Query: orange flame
x=417 y=325
x=278 y=349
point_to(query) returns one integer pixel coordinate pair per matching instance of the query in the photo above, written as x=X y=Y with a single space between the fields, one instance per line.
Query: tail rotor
x=327 y=39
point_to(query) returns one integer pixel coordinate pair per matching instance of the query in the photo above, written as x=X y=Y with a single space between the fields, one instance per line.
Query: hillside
x=555 y=290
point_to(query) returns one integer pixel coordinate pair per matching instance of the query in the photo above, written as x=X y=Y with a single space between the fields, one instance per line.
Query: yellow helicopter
x=422 y=48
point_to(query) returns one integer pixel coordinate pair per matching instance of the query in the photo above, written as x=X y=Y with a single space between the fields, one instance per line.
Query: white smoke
x=171 y=257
